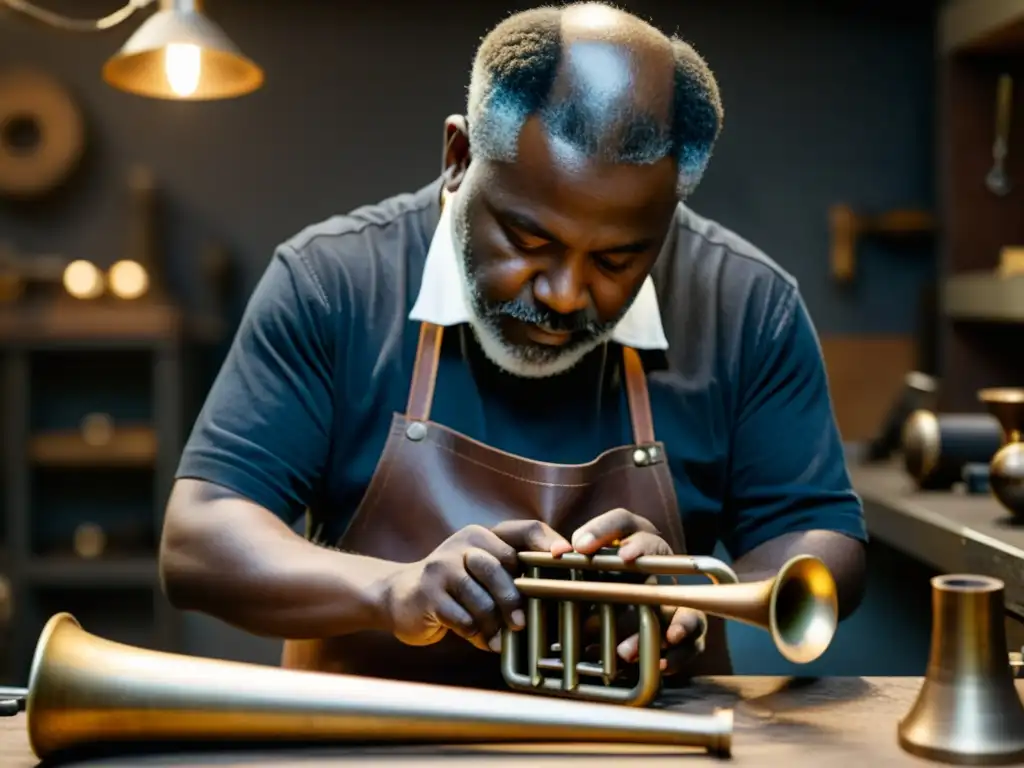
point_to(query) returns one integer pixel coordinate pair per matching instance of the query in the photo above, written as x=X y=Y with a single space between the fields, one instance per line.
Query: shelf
x=70 y=323
x=134 y=446
x=951 y=531
x=984 y=297
x=982 y=26
x=77 y=572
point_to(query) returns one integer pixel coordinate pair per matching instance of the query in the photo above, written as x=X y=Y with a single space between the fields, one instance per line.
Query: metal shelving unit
x=980 y=330
x=113 y=587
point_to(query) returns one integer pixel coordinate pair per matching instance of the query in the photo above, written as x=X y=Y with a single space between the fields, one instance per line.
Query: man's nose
x=562 y=289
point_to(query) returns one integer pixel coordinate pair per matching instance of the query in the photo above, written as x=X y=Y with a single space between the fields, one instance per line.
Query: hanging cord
x=77 y=25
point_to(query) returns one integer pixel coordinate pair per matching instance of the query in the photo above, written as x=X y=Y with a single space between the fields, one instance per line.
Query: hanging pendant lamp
x=179 y=53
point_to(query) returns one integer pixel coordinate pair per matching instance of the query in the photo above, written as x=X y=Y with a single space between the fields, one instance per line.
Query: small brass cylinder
x=968 y=711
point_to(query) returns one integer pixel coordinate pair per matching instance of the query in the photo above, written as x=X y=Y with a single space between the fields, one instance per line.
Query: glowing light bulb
x=128 y=279
x=183 y=66
x=83 y=280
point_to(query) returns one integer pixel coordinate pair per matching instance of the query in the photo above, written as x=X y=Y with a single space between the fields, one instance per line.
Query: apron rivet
x=640 y=457
x=416 y=431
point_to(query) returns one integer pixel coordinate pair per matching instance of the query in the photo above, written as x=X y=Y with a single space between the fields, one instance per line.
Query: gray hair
x=512 y=76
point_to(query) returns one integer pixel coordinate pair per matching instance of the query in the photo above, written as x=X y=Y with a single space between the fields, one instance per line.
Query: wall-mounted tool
x=848 y=227
x=997 y=181
x=42 y=134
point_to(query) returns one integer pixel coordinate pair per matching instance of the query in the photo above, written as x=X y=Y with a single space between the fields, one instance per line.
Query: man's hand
x=637 y=536
x=466 y=585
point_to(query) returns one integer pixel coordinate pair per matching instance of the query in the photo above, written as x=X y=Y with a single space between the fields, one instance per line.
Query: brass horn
x=797 y=606
x=87 y=691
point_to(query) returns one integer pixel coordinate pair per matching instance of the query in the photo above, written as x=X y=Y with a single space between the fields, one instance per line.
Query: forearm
x=229 y=558
x=844 y=556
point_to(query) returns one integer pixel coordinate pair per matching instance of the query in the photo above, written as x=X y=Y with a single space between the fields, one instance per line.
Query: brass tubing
x=654 y=565
x=609 y=643
x=798 y=606
x=641 y=694
x=569 y=626
x=84 y=690
x=537 y=631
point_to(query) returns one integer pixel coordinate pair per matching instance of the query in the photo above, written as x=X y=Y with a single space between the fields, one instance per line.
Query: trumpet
x=87 y=692
x=798 y=607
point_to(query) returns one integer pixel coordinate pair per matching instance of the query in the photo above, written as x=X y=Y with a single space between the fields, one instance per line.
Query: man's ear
x=456 y=157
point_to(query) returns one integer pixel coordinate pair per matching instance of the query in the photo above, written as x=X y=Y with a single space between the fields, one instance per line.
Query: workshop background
x=830 y=109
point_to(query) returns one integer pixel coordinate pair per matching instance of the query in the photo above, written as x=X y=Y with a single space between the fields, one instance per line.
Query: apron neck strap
x=424 y=372
x=636 y=393
x=424 y=375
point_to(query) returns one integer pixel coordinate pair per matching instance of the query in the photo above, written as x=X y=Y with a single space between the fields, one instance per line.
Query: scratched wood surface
x=796 y=723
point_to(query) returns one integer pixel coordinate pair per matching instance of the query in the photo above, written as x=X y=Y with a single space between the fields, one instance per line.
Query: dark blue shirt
x=299 y=413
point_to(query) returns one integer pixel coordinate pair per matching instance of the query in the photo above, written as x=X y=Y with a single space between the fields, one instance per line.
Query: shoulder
x=715 y=278
x=725 y=305
x=715 y=247
x=372 y=221
x=341 y=253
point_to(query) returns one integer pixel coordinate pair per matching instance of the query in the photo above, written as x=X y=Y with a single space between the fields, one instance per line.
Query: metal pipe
x=84 y=690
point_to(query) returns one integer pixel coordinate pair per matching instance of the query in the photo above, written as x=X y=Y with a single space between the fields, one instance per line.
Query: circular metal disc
x=42 y=134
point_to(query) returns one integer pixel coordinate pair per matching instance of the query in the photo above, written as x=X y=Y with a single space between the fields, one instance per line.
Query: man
x=546 y=349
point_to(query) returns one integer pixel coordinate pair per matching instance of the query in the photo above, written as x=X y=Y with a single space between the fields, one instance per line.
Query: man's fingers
x=629 y=649
x=484 y=538
x=686 y=623
x=684 y=636
x=486 y=569
x=531 y=536
x=643 y=543
x=681 y=655
x=606 y=529
x=454 y=617
x=479 y=604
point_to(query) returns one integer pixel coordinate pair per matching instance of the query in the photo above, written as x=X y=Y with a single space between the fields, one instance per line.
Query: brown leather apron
x=432 y=481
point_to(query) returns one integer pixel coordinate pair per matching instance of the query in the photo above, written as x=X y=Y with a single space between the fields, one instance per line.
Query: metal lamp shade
x=181 y=54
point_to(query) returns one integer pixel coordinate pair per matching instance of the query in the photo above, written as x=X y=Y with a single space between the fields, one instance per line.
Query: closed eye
x=622 y=257
x=525 y=241
x=615 y=262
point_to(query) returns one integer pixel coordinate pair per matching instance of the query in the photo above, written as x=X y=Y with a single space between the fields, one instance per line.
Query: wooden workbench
x=787 y=722
x=952 y=531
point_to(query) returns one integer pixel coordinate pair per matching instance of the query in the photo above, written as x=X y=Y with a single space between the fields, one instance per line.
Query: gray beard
x=529 y=360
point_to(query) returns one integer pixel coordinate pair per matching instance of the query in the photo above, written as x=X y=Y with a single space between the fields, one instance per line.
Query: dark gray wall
x=825 y=102
x=822 y=106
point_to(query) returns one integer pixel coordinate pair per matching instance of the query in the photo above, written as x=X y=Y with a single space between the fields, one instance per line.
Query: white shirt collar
x=442 y=300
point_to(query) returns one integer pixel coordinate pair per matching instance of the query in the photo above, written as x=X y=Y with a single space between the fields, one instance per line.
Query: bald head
x=613 y=59
x=605 y=84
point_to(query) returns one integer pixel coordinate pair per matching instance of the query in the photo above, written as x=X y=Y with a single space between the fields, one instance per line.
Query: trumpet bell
x=798 y=607
x=803 y=610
